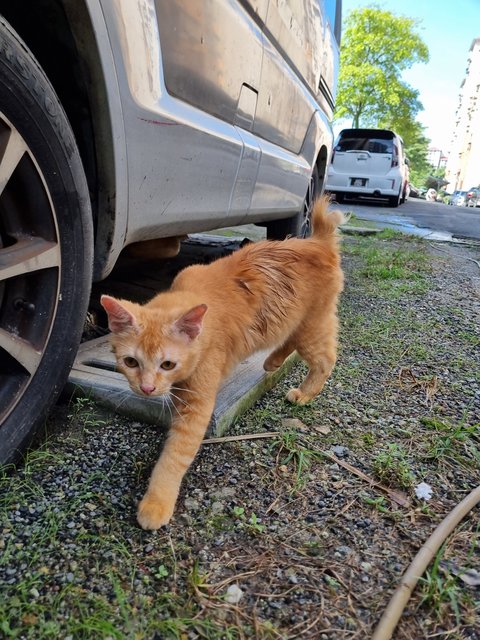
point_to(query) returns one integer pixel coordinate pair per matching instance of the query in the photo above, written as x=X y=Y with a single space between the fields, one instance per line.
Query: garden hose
x=394 y=610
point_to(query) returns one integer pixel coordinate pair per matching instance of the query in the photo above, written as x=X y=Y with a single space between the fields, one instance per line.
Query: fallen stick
x=396 y=496
x=245 y=436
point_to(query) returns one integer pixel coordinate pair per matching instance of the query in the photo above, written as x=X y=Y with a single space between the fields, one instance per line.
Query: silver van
x=369 y=162
x=127 y=120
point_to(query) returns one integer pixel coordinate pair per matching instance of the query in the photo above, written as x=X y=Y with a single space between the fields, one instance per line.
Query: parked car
x=473 y=197
x=458 y=198
x=369 y=162
x=122 y=122
x=414 y=191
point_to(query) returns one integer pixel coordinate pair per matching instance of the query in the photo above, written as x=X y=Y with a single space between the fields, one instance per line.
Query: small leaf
x=162 y=572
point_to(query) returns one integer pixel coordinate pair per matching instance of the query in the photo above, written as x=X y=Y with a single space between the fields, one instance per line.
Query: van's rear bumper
x=374 y=186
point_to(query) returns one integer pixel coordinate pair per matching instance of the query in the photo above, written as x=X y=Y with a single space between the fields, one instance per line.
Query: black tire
x=394 y=201
x=300 y=225
x=46 y=242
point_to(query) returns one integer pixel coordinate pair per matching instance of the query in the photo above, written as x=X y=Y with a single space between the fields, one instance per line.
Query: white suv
x=369 y=162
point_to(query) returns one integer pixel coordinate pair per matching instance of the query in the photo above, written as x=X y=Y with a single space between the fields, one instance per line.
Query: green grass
x=455 y=443
x=84 y=412
x=292 y=451
x=393 y=234
x=442 y=593
x=40 y=604
x=392 y=468
x=394 y=270
x=469 y=338
x=394 y=335
x=439 y=591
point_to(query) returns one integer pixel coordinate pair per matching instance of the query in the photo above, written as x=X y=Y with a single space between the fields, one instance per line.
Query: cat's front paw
x=296 y=396
x=153 y=512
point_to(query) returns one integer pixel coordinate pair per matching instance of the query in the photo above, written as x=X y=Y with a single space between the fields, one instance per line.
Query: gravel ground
x=276 y=537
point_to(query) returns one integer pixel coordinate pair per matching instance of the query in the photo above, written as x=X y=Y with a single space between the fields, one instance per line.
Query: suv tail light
x=395 y=156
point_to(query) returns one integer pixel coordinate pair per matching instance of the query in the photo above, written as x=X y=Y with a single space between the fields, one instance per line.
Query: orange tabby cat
x=182 y=344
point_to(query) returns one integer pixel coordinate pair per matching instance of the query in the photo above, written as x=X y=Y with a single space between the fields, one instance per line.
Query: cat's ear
x=190 y=324
x=119 y=318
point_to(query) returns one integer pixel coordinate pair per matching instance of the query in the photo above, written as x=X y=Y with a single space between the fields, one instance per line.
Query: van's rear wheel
x=394 y=201
x=299 y=226
x=45 y=245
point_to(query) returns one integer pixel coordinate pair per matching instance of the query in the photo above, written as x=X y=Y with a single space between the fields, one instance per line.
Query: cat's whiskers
x=173 y=398
x=184 y=402
x=123 y=397
x=166 y=405
x=181 y=389
x=185 y=390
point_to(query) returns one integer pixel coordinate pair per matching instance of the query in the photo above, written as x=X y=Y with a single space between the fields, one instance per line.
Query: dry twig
x=409 y=380
x=396 y=496
x=244 y=436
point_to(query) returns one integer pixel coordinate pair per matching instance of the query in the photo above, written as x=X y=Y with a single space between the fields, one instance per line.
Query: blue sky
x=447 y=28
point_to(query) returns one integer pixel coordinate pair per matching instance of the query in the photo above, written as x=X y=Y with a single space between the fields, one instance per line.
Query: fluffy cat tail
x=325 y=222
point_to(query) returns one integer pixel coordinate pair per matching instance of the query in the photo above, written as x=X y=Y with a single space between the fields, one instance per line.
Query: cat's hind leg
x=278 y=357
x=317 y=345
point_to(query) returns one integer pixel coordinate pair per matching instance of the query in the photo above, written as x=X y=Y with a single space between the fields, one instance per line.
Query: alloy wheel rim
x=307 y=209
x=30 y=261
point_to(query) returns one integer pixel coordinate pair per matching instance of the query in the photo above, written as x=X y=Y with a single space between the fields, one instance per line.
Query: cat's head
x=155 y=348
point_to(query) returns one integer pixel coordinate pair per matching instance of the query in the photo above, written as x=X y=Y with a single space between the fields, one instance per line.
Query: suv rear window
x=363 y=140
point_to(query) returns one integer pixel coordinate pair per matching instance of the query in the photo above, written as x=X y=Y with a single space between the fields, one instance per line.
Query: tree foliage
x=377 y=46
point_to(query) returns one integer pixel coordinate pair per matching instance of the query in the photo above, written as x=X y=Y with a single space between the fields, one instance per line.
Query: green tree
x=416 y=148
x=377 y=46
x=420 y=168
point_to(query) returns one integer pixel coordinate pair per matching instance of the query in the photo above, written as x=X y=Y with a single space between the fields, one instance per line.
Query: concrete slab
x=359 y=231
x=93 y=375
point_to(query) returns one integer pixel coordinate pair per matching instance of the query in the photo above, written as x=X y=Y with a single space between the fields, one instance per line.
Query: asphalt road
x=430 y=219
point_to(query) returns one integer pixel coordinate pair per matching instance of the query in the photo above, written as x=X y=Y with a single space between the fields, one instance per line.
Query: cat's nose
x=147 y=388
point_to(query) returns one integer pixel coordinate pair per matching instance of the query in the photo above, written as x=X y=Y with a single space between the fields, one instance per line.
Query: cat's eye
x=168 y=365
x=130 y=362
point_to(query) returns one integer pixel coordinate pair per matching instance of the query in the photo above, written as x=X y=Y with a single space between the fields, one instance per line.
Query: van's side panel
x=283 y=177
x=284 y=106
x=330 y=56
x=209 y=50
x=295 y=28
x=182 y=162
x=193 y=79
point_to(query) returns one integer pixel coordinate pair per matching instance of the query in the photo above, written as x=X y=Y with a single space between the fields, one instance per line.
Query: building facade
x=463 y=166
x=436 y=158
